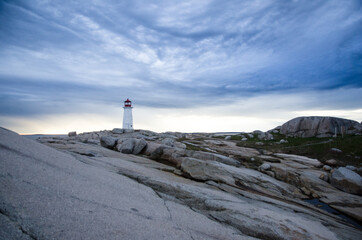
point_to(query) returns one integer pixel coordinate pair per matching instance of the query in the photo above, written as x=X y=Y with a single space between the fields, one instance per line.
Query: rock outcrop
x=86 y=191
x=319 y=127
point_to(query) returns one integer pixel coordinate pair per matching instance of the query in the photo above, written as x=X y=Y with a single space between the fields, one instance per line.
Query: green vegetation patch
x=319 y=148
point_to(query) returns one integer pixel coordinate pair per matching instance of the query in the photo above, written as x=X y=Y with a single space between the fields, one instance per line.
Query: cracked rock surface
x=77 y=189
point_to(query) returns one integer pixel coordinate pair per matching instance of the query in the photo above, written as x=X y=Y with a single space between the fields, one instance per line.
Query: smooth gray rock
x=139 y=146
x=158 y=151
x=352 y=168
x=48 y=194
x=207 y=156
x=168 y=141
x=126 y=146
x=180 y=145
x=347 y=181
x=228 y=138
x=108 y=141
x=118 y=131
x=265 y=167
x=319 y=127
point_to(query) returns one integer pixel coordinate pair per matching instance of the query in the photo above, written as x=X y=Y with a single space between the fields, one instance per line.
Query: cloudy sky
x=197 y=65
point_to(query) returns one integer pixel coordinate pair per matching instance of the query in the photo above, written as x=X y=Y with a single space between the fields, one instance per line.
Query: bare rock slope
x=319 y=127
x=78 y=189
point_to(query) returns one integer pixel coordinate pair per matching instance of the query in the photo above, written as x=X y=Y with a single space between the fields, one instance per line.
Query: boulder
x=108 y=142
x=319 y=127
x=261 y=135
x=244 y=139
x=331 y=162
x=179 y=145
x=264 y=167
x=151 y=147
x=324 y=177
x=158 y=151
x=347 y=181
x=327 y=168
x=336 y=150
x=72 y=134
x=283 y=141
x=127 y=145
x=268 y=136
x=168 y=141
x=259 y=143
x=139 y=146
x=228 y=138
x=250 y=135
x=117 y=131
x=173 y=155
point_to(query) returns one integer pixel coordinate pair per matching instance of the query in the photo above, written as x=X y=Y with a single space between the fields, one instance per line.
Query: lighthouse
x=127 y=115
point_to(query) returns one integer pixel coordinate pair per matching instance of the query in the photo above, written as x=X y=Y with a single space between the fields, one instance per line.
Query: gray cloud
x=55 y=56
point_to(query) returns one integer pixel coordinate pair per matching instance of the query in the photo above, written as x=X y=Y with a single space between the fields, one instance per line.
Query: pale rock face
x=228 y=138
x=347 y=181
x=319 y=127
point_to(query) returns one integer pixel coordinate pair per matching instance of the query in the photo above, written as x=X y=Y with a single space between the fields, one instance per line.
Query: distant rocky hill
x=320 y=127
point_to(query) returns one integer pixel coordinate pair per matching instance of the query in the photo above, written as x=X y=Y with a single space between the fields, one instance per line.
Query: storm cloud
x=59 y=56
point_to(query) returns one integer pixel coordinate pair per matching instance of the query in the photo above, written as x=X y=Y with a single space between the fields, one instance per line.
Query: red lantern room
x=127 y=103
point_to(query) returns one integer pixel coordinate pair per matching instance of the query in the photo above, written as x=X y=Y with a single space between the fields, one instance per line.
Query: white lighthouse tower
x=127 y=115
